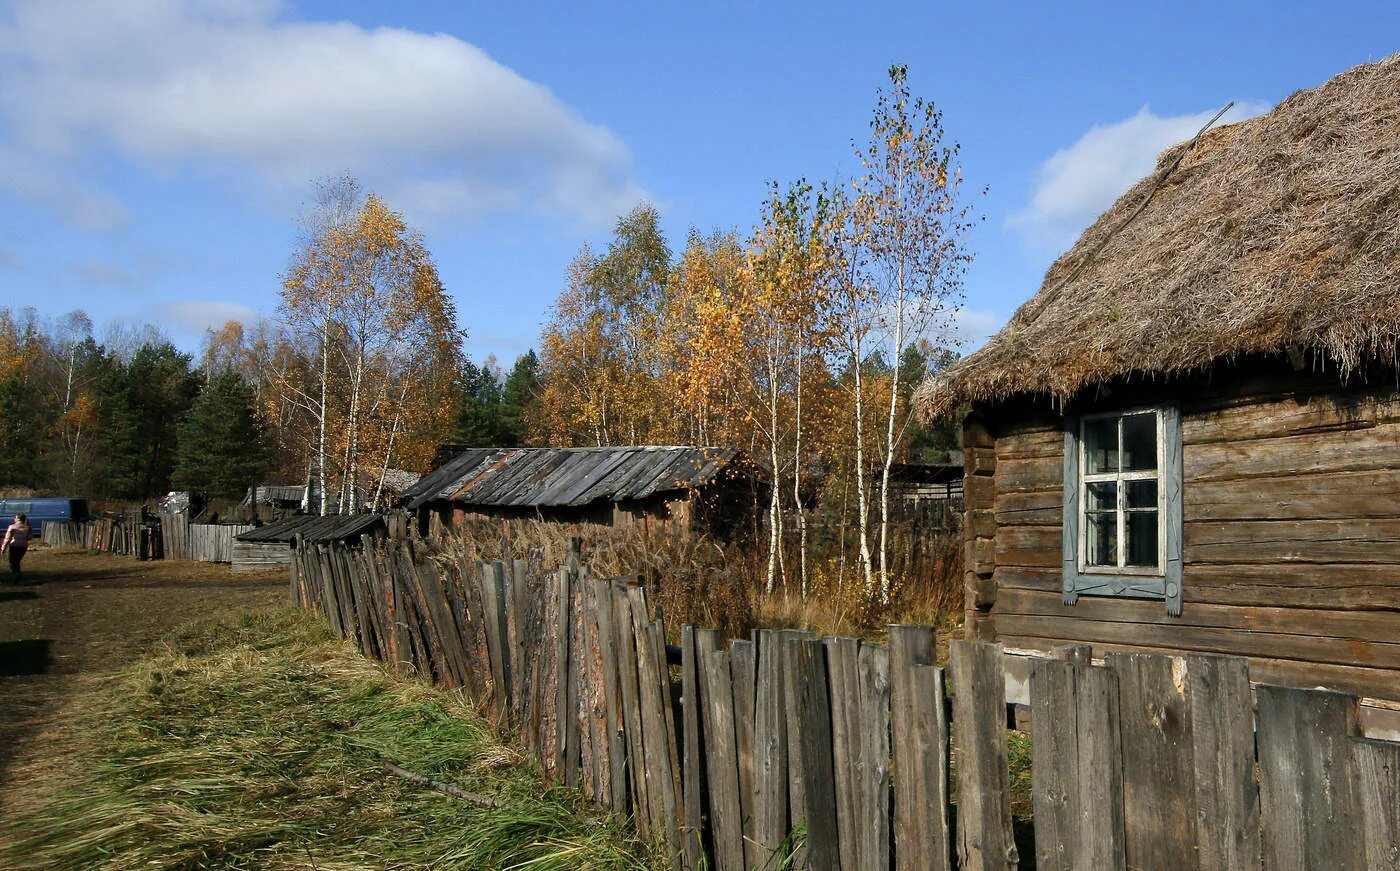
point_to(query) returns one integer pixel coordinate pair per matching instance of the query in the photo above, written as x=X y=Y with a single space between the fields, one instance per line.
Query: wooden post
x=921 y=833
x=985 y=837
x=693 y=781
x=721 y=755
x=741 y=669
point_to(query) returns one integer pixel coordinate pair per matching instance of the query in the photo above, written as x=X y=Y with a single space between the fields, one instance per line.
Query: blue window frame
x=1122 y=501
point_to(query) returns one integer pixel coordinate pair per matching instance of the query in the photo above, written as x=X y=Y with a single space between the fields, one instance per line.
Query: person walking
x=17 y=543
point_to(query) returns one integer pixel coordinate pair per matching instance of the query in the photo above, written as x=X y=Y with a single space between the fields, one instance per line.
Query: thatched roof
x=1273 y=234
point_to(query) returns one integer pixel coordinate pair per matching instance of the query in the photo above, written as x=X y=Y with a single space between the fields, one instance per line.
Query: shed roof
x=1277 y=233
x=311 y=527
x=562 y=477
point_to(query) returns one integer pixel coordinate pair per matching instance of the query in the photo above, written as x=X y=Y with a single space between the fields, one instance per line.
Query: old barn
x=272 y=545
x=704 y=489
x=1189 y=438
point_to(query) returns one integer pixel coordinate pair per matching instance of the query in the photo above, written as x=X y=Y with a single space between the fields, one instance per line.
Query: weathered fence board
x=789 y=751
x=986 y=839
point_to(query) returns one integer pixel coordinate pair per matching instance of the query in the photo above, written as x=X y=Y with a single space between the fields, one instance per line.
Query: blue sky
x=153 y=154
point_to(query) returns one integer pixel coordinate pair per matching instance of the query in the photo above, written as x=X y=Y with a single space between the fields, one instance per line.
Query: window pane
x=1139 y=442
x=1142 y=539
x=1141 y=494
x=1101 y=539
x=1101 y=496
x=1101 y=445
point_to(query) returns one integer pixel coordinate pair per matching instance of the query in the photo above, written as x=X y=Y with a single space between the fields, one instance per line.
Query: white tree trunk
x=797 y=484
x=889 y=440
x=322 y=446
x=862 y=492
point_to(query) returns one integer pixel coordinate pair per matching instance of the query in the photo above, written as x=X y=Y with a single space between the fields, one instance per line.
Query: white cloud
x=196 y=316
x=1078 y=183
x=215 y=84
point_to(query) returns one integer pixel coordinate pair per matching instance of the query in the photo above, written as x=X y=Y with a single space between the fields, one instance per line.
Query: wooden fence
x=837 y=753
x=201 y=542
x=120 y=536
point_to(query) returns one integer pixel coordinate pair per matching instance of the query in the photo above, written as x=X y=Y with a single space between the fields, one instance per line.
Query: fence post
x=1377 y=767
x=770 y=775
x=985 y=837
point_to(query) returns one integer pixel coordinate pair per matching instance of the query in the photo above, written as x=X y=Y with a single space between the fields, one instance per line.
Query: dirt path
x=83 y=616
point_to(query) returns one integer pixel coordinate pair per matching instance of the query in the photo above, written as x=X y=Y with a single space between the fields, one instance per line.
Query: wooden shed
x=271 y=546
x=713 y=489
x=1189 y=438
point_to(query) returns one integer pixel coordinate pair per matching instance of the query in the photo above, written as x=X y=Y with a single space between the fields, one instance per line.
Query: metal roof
x=564 y=477
x=311 y=527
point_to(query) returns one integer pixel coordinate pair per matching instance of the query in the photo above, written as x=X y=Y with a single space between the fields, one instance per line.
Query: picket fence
x=201 y=542
x=785 y=750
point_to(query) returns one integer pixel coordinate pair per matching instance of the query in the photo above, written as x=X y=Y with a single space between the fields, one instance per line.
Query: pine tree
x=221 y=441
x=479 y=420
x=517 y=397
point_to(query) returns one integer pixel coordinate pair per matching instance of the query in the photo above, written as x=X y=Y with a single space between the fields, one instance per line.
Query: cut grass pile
x=259 y=743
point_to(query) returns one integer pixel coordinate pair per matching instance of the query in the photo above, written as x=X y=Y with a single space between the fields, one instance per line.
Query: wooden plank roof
x=564 y=477
x=335 y=527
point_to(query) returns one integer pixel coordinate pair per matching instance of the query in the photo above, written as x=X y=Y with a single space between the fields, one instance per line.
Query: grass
x=258 y=743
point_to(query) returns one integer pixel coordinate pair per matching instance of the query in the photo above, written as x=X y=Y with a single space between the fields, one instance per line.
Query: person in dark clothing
x=16 y=543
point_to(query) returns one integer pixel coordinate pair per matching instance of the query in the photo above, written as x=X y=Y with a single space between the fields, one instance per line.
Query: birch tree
x=907 y=255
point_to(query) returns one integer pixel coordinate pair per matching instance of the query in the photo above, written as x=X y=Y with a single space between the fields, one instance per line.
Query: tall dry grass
x=695 y=579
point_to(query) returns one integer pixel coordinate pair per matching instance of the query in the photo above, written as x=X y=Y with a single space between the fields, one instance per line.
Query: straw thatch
x=1273 y=234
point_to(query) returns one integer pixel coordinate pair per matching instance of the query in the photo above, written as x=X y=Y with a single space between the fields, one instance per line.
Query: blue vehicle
x=43 y=510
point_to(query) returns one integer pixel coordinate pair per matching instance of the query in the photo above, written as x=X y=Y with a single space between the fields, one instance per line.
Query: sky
x=154 y=155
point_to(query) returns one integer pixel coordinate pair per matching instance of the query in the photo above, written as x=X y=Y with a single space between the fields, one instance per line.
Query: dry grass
x=1272 y=234
x=707 y=583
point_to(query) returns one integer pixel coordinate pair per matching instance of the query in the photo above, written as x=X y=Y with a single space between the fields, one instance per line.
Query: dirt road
x=83 y=616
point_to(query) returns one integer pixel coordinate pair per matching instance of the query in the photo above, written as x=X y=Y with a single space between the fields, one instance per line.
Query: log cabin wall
x=1291 y=545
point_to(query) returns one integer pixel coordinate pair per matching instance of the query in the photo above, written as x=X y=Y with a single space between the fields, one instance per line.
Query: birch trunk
x=775 y=515
x=321 y=443
x=889 y=440
x=862 y=492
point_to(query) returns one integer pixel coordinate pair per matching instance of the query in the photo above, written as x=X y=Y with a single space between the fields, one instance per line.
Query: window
x=1123 y=505
x=1120 y=492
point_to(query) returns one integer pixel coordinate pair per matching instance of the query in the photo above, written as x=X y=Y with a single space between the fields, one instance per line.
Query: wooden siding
x=254 y=555
x=1291 y=536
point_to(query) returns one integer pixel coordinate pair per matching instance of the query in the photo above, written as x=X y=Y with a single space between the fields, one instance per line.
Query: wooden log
x=1377 y=768
x=1309 y=816
x=920 y=728
x=1219 y=706
x=985 y=836
x=1077 y=766
x=814 y=746
x=770 y=776
x=1159 y=823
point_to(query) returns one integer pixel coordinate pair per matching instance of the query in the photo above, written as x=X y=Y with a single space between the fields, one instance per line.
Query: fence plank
x=616 y=788
x=1308 y=813
x=1159 y=824
x=741 y=668
x=1222 y=737
x=814 y=746
x=721 y=756
x=631 y=707
x=1076 y=765
x=563 y=653
x=789 y=644
x=655 y=686
x=842 y=656
x=1377 y=767
x=693 y=781
x=770 y=777
x=494 y=621
x=873 y=758
x=920 y=727
x=985 y=837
